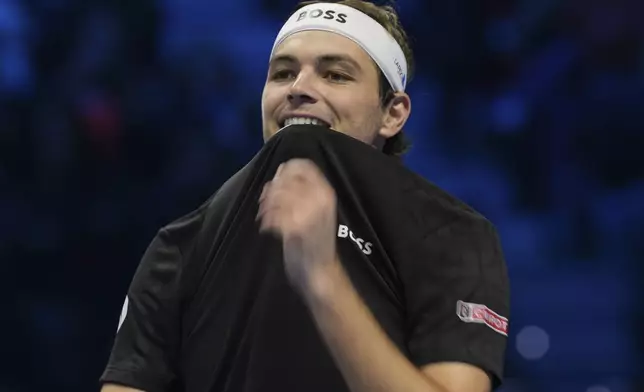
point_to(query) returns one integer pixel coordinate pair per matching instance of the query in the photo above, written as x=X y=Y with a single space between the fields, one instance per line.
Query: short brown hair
x=387 y=17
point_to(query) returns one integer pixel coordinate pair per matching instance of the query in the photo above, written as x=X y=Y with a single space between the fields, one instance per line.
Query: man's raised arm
x=118 y=388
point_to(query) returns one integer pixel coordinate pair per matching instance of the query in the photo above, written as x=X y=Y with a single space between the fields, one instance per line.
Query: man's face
x=325 y=76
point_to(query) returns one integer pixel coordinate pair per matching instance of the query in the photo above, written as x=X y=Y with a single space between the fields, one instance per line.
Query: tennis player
x=436 y=321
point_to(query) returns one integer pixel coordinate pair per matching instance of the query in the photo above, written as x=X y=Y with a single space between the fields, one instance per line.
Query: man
x=347 y=320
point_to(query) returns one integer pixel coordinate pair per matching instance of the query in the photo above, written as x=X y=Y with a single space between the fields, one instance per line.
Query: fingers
x=298 y=169
x=269 y=215
x=270 y=223
x=296 y=186
x=280 y=168
x=274 y=206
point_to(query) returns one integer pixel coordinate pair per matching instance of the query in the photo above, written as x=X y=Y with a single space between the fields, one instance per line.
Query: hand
x=299 y=206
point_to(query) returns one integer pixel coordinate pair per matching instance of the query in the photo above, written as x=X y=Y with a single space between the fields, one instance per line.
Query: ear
x=395 y=115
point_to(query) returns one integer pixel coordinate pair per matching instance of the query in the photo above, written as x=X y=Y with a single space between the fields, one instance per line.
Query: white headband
x=358 y=27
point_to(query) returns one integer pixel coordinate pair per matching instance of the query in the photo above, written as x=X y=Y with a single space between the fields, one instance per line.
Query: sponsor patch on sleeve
x=481 y=314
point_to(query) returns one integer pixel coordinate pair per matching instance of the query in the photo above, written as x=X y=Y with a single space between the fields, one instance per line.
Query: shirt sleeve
x=457 y=295
x=147 y=339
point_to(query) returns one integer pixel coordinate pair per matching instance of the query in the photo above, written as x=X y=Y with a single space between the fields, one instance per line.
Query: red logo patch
x=481 y=314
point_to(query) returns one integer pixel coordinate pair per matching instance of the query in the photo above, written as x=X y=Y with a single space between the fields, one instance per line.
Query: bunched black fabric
x=210 y=308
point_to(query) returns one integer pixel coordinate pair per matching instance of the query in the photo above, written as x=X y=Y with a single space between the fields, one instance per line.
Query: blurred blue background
x=118 y=116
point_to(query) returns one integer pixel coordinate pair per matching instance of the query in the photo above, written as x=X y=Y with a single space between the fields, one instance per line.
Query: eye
x=282 y=74
x=335 y=76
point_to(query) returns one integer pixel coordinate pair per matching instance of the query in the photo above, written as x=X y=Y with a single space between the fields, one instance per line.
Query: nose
x=302 y=89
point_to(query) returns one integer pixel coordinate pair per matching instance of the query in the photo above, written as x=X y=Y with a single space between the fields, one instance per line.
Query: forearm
x=367 y=358
x=118 y=388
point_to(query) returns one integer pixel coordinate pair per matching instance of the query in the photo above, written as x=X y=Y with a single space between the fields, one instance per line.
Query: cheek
x=361 y=111
x=350 y=104
x=265 y=102
x=267 y=108
x=270 y=100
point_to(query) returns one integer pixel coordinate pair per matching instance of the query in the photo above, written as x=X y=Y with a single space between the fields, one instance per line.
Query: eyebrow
x=325 y=59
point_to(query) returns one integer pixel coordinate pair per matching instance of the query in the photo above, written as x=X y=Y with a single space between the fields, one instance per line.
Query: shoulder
x=188 y=226
x=432 y=209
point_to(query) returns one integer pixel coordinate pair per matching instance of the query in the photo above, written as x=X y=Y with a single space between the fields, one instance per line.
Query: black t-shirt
x=210 y=308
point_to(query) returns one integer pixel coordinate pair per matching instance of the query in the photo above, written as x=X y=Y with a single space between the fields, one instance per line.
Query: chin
x=270 y=131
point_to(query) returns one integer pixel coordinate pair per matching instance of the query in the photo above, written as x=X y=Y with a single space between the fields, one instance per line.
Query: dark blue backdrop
x=117 y=116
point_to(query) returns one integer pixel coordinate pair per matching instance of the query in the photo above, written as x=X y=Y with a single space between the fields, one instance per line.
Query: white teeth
x=302 y=120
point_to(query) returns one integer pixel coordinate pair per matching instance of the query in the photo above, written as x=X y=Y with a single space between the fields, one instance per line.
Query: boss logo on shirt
x=345 y=232
x=329 y=14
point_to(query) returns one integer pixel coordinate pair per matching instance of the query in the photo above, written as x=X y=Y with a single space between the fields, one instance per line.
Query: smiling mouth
x=303 y=121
